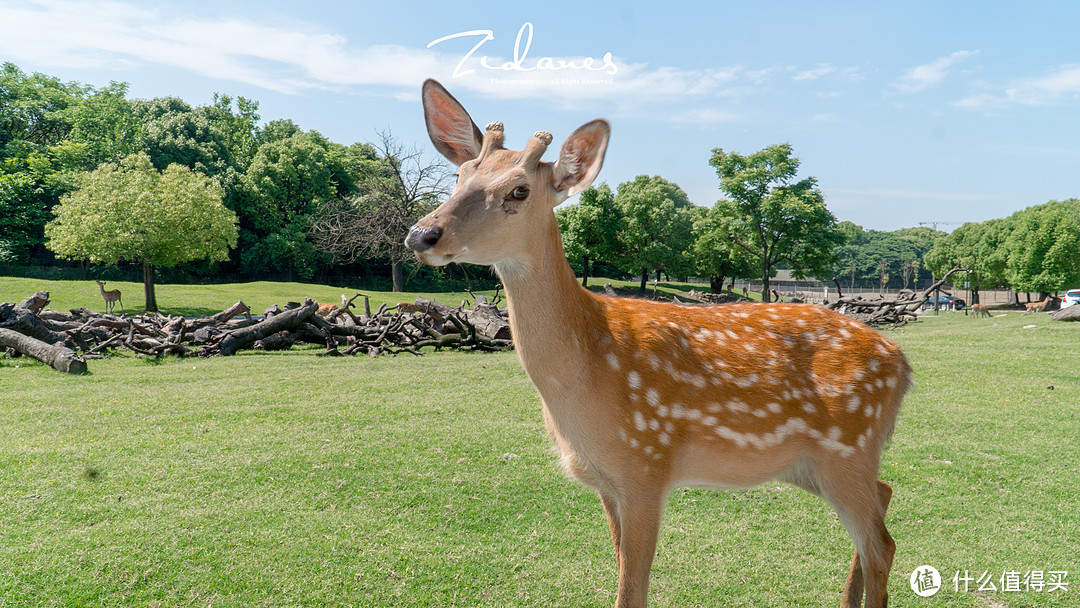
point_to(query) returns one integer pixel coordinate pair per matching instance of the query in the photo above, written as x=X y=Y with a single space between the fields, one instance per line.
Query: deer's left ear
x=581 y=157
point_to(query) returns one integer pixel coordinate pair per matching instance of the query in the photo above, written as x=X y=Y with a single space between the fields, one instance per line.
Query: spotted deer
x=111 y=297
x=641 y=396
x=1035 y=307
x=979 y=310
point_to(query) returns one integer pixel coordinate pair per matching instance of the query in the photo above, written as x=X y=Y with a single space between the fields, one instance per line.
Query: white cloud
x=1053 y=87
x=705 y=116
x=1065 y=82
x=295 y=57
x=286 y=59
x=822 y=69
x=922 y=77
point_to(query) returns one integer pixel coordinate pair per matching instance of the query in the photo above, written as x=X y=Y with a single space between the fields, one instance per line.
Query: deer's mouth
x=434 y=259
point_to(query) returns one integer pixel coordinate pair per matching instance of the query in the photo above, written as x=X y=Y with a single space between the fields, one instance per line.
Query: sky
x=907 y=113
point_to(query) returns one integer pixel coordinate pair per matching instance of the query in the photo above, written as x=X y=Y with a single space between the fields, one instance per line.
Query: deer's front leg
x=635 y=526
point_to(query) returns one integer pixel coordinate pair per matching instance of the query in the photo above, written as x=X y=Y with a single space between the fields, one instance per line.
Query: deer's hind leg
x=860 y=500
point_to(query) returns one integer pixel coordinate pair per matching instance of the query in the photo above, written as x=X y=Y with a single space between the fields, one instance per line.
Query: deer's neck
x=555 y=322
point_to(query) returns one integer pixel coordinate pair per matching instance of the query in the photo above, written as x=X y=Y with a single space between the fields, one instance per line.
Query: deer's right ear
x=449 y=126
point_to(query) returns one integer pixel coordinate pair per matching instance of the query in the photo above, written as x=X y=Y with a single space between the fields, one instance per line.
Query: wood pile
x=66 y=340
x=895 y=310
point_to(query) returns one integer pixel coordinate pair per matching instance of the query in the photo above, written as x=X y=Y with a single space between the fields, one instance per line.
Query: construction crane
x=933 y=225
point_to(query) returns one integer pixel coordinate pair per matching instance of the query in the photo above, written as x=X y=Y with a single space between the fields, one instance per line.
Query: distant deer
x=978 y=310
x=327 y=310
x=641 y=396
x=111 y=297
x=1033 y=307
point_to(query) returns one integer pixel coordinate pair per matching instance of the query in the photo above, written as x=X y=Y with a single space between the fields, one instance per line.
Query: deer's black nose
x=422 y=239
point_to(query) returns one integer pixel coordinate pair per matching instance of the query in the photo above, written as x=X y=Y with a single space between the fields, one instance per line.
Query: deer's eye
x=520 y=193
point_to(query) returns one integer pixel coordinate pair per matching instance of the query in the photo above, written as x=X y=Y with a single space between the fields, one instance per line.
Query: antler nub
x=493 y=138
x=536 y=147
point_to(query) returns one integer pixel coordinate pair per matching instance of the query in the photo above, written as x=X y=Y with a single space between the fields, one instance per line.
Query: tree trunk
x=57 y=356
x=398 y=274
x=245 y=337
x=716 y=283
x=148 y=287
x=765 y=295
x=644 y=278
x=585 y=271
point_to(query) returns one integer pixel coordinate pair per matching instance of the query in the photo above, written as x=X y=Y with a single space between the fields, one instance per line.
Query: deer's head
x=502 y=197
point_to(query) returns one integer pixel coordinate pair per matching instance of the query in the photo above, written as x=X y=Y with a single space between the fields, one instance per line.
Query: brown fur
x=1035 y=307
x=639 y=396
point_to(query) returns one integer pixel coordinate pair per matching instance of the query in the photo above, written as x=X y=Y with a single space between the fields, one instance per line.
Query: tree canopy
x=590 y=229
x=131 y=211
x=1032 y=250
x=772 y=218
x=656 y=228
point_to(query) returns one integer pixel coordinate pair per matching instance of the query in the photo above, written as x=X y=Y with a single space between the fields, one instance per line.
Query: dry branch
x=887 y=311
x=405 y=328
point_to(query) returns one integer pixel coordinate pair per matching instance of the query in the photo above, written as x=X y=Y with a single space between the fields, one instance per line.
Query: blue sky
x=905 y=112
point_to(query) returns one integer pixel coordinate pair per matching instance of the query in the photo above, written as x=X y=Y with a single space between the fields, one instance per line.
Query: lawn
x=286 y=479
x=204 y=300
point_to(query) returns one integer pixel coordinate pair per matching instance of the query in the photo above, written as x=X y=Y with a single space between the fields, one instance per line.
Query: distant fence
x=818 y=292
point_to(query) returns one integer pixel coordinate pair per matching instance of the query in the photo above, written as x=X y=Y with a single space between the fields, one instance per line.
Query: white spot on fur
x=634 y=379
x=854 y=403
x=652 y=397
x=613 y=361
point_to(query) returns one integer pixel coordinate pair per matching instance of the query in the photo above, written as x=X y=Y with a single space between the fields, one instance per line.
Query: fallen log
x=1071 y=313
x=245 y=337
x=56 y=356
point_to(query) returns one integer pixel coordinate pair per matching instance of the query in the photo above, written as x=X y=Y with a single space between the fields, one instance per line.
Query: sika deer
x=641 y=396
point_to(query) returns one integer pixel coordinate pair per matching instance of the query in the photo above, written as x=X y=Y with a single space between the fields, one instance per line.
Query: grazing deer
x=111 y=297
x=1033 y=307
x=641 y=396
x=978 y=310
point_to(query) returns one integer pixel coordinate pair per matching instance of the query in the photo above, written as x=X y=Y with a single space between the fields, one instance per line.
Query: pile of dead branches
x=895 y=311
x=65 y=340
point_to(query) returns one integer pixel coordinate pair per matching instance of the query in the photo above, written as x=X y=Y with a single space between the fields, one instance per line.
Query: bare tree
x=401 y=188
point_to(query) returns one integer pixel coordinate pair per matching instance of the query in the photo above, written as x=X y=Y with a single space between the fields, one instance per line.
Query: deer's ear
x=581 y=157
x=448 y=124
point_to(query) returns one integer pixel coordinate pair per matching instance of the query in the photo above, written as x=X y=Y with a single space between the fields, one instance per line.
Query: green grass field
x=204 y=300
x=286 y=479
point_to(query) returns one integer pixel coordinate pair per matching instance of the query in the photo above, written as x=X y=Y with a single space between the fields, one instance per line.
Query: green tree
x=772 y=218
x=976 y=246
x=33 y=108
x=132 y=212
x=1042 y=247
x=590 y=229
x=105 y=123
x=239 y=130
x=716 y=255
x=656 y=229
x=281 y=190
x=172 y=132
